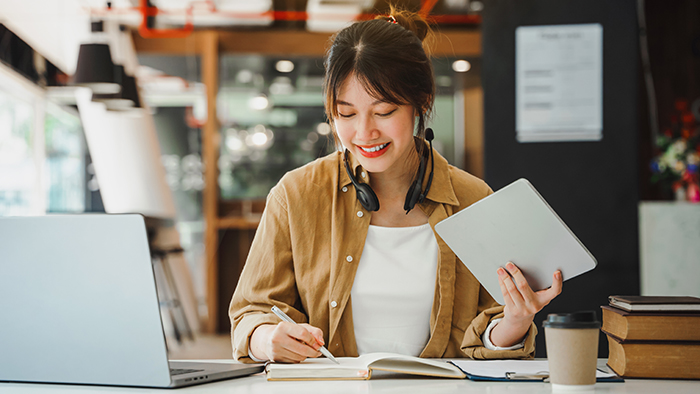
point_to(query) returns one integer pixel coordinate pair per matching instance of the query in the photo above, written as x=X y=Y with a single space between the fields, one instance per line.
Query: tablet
x=515 y=224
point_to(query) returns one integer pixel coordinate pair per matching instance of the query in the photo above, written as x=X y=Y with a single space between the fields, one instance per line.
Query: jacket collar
x=441 y=190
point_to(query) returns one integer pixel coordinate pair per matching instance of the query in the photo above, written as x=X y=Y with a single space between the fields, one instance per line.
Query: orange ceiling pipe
x=147 y=32
x=151 y=11
x=455 y=19
x=427 y=6
x=303 y=16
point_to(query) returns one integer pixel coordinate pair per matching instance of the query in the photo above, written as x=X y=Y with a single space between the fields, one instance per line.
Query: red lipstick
x=373 y=154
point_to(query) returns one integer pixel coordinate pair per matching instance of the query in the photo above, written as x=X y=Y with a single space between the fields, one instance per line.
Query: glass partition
x=272 y=119
x=19 y=172
x=65 y=182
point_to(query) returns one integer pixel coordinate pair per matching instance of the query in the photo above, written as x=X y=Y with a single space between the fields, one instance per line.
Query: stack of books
x=653 y=337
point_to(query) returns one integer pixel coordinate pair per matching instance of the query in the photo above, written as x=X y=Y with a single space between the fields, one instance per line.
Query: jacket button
x=349 y=259
x=360 y=214
x=344 y=189
x=334 y=304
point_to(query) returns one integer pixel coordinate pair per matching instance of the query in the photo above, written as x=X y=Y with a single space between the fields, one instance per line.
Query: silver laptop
x=515 y=224
x=78 y=305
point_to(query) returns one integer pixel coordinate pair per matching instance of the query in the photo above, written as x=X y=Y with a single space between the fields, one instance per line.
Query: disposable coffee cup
x=572 y=349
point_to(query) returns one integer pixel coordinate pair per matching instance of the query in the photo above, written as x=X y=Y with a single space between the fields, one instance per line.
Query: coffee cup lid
x=584 y=319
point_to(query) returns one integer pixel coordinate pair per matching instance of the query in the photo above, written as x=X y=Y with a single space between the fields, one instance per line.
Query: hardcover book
x=660 y=326
x=654 y=359
x=655 y=303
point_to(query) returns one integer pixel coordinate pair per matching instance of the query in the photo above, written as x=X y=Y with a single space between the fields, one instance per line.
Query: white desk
x=382 y=385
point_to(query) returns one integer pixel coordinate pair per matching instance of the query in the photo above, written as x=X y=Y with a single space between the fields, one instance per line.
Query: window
x=42 y=151
x=64 y=181
x=19 y=168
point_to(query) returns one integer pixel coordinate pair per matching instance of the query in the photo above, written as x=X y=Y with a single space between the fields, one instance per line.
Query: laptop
x=79 y=306
x=515 y=224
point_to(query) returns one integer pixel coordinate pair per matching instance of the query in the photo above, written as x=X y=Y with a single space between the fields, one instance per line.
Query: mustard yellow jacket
x=306 y=250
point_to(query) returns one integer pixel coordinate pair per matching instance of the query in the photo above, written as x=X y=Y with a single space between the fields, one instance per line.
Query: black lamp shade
x=129 y=90
x=95 y=69
x=116 y=101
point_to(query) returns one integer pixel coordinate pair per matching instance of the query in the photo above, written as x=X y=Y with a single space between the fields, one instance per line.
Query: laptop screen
x=78 y=302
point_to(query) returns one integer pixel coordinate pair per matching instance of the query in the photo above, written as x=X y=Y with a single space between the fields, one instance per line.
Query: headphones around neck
x=415 y=194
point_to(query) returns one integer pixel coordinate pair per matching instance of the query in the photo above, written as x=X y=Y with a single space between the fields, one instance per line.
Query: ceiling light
x=284 y=66
x=323 y=128
x=259 y=102
x=443 y=81
x=476 y=6
x=244 y=77
x=259 y=139
x=461 y=66
x=130 y=91
x=233 y=141
x=115 y=101
x=281 y=86
x=95 y=69
x=312 y=137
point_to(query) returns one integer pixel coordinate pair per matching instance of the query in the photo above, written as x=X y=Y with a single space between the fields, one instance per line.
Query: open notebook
x=361 y=368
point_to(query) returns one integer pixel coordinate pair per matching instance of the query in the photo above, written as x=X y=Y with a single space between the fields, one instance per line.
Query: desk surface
x=387 y=384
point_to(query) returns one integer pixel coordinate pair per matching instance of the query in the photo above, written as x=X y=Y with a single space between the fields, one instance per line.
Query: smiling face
x=378 y=133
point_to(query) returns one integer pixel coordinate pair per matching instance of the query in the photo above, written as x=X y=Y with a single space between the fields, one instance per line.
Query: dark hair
x=388 y=59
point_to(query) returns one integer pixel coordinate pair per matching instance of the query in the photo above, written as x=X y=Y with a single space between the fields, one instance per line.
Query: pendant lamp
x=116 y=101
x=130 y=92
x=95 y=69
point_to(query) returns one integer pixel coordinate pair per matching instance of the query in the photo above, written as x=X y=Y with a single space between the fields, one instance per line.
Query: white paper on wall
x=559 y=83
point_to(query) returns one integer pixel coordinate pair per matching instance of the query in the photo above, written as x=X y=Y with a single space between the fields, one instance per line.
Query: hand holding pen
x=287 y=319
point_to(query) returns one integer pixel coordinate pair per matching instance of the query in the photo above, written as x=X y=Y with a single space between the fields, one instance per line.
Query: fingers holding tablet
x=520 y=300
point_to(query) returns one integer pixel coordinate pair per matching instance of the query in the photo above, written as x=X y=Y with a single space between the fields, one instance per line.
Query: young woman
x=346 y=243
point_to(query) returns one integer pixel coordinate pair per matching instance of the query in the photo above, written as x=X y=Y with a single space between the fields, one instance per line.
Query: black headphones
x=369 y=199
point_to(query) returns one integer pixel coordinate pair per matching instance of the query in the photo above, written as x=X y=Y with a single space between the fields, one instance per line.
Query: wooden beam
x=474 y=131
x=210 y=195
x=456 y=43
x=190 y=45
x=275 y=42
x=448 y=43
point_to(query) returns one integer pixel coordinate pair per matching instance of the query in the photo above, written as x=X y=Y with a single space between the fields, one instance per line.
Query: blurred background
x=188 y=112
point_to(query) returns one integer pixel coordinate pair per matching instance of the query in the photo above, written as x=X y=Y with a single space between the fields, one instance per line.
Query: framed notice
x=559 y=83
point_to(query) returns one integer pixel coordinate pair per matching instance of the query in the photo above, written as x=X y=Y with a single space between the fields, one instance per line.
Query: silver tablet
x=515 y=224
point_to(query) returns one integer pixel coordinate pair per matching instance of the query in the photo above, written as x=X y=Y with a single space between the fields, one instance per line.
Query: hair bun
x=410 y=21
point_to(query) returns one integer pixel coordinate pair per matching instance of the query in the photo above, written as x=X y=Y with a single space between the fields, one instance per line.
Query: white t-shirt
x=393 y=292
x=392 y=295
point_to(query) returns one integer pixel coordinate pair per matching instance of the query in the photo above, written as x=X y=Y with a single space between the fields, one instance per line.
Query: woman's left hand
x=521 y=304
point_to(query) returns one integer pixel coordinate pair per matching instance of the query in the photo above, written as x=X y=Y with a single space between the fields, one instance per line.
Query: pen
x=277 y=311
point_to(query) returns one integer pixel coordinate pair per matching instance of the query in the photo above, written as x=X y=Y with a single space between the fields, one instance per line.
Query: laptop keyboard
x=180 y=371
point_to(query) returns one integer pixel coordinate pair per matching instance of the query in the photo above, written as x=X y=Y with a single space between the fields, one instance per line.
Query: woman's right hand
x=286 y=342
